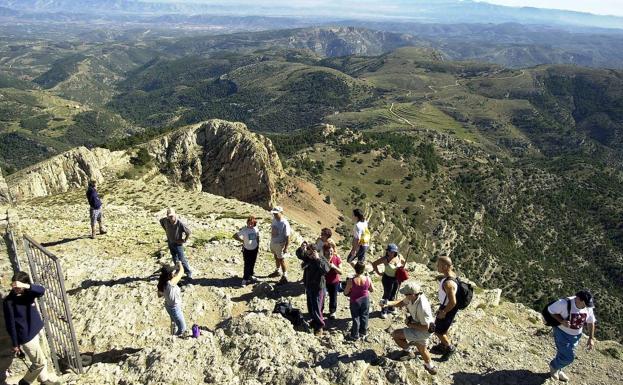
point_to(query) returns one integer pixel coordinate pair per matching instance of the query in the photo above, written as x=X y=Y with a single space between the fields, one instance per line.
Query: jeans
x=390 y=289
x=333 y=291
x=315 y=305
x=360 y=311
x=177 y=252
x=565 y=348
x=249 y=257
x=177 y=317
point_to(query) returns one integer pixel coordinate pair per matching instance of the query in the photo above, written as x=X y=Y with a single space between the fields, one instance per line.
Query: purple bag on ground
x=196 y=331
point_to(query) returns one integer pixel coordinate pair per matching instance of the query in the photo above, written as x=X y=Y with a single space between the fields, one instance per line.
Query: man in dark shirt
x=315 y=268
x=95 y=208
x=23 y=324
x=177 y=235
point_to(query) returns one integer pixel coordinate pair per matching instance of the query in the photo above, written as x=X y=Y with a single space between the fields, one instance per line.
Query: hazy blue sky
x=603 y=7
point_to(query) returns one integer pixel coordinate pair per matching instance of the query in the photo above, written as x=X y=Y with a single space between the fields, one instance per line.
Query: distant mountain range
x=446 y=11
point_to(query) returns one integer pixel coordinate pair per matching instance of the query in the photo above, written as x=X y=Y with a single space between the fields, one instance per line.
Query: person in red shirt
x=333 y=277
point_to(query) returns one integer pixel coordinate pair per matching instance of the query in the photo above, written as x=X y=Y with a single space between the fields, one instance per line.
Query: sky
x=600 y=7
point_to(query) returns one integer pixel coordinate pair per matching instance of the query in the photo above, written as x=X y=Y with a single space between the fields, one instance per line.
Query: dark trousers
x=177 y=252
x=249 y=256
x=360 y=311
x=390 y=289
x=333 y=291
x=315 y=305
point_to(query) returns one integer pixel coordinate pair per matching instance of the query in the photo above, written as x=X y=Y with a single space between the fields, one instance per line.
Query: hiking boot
x=274 y=274
x=406 y=356
x=364 y=337
x=383 y=315
x=283 y=280
x=438 y=349
x=562 y=376
x=350 y=338
x=431 y=370
x=253 y=279
x=332 y=315
x=449 y=353
x=554 y=373
x=244 y=283
x=102 y=232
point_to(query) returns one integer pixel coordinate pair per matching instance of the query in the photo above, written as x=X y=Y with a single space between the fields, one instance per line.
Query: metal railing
x=46 y=270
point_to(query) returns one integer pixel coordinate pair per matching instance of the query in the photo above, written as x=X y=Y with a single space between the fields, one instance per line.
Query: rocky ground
x=118 y=318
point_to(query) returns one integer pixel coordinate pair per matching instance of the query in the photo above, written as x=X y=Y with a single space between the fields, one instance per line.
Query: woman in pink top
x=333 y=276
x=359 y=289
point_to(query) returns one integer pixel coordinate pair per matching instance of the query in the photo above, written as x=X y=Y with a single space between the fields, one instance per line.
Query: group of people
x=322 y=271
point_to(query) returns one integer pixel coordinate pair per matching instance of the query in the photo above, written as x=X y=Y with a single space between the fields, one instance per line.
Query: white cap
x=276 y=210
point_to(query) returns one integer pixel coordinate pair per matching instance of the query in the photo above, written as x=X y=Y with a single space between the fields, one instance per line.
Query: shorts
x=360 y=255
x=416 y=336
x=443 y=325
x=277 y=249
x=95 y=215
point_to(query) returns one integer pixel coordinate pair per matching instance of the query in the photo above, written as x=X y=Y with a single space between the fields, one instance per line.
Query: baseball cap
x=586 y=297
x=276 y=210
x=410 y=287
x=392 y=247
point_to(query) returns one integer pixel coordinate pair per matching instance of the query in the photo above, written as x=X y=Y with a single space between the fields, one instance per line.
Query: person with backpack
x=448 y=288
x=420 y=324
x=569 y=317
x=391 y=261
x=170 y=276
x=23 y=324
x=178 y=234
x=249 y=236
x=361 y=238
x=358 y=289
x=95 y=209
x=333 y=277
x=315 y=268
x=280 y=239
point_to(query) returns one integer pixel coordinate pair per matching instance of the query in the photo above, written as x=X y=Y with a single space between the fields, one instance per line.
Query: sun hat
x=410 y=287
x=276 y=210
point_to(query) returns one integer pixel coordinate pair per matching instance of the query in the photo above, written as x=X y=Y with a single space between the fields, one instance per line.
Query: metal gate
x=46 y=270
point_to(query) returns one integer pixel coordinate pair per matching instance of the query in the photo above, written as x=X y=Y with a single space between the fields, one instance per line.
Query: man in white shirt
x=567 y=335
x=420 y=323
x=280 y=239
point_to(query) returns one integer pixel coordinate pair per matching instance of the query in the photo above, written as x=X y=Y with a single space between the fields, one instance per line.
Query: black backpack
x=464 y=293
x=295 y=316
x=548 y=319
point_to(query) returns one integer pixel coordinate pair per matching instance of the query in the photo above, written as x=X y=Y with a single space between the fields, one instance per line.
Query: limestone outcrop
x=5 y=198
x=61 y=173
x=221 y=158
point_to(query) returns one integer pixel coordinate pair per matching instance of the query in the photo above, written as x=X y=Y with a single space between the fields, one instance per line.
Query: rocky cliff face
x=221 y=158
x=216 y=156
x=71 y=169
x=4 y=191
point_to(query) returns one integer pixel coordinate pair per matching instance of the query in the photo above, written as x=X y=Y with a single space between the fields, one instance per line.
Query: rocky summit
x=122 y=324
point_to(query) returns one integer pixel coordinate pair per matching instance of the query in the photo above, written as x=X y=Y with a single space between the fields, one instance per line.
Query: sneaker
x=102 y=232
x=431 y=370
x=332 y=315
x=351 y=338
x=393 y=311
x=244 y=283
x=554 y=373
x=406 y=356
x=383 y=315
x=449 y=353
x=438 y=349
x=274 y=274
x=364 y=337
x=562 y=376
x=283 y=280
x=318 y=333
x=254 y=279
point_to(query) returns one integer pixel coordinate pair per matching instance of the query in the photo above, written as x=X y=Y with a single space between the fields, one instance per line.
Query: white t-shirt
x=421 y=311
x=359 y=229
x=172 y=295
x=578 y=318
x=250 y=237
x=279 y=231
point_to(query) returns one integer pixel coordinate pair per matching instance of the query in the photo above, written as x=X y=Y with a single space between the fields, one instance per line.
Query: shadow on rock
x=213 y=282
x=112 y=282
x=62 y=241
x=501 y=377
x=113 y=356
x=333 y=359
x=268 y=290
